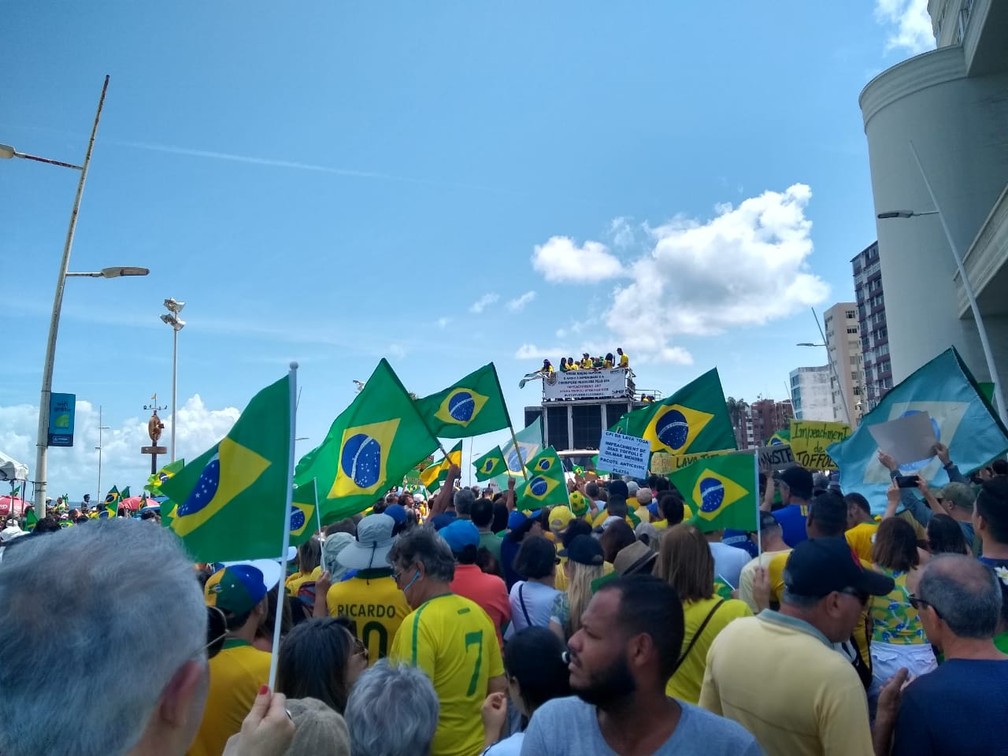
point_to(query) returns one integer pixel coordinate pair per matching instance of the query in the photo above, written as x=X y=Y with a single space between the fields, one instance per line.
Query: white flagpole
x=281 y=592
x=759 y=532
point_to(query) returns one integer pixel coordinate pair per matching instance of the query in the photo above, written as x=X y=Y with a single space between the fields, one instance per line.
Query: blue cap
x=460 y=534
x=397 y=512
x=515 y=520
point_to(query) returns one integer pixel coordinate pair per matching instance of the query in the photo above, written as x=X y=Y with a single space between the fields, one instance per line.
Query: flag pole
x=288 y=493
x=514 y=439
x=759 y=532
x=318 y=512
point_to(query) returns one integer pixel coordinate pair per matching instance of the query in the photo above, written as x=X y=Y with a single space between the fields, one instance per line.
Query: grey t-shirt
x=570 y=726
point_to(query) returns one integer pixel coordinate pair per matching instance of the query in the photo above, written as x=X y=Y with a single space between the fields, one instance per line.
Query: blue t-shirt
x=792 y=522
x=740 y=540
x=569 y=727
x=959 y=708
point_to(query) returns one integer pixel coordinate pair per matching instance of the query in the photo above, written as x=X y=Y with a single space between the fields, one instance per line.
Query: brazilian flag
x=722 y=491
x=230 y=500
x=490 y=465
x=782 y=436
x=370 y=447
x=154 y=481
x=546 y=484
x=694 y=419
x=434 y=475
x=31 y=519
x=303 y=521
x=470 y=407
x=112 y=499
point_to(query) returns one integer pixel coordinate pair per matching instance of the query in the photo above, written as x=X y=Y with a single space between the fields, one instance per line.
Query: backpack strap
x=696 y=635
x=521 y=601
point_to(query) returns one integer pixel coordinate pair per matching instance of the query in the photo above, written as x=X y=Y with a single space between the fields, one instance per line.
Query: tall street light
x=999 y=396
x=172 y=319
x=42 y=442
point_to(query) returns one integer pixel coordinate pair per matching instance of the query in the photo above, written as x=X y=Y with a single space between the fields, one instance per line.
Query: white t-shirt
x=538 y=602
x=507 y=747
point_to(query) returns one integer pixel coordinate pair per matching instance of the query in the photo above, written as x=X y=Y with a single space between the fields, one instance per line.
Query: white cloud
x=560 y=259
x=746 y=266
x=518 y=304
x=913 y=31
x=74 y=470
x=442 y=323
x=621 y=232
x=483 y=302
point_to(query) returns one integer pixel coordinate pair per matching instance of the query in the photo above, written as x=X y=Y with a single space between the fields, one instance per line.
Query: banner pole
x=288 y=495
x=759 y=532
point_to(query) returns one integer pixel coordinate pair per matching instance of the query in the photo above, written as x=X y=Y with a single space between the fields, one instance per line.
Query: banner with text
x=586 y=384
x=663 y=463
x=623 y=455
x=809 y=439
x=775 y=457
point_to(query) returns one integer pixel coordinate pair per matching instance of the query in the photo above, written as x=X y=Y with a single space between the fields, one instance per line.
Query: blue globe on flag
x=461 y=406
x=538 y=486
x=297 y=519
x=672 y=429
x=712 y=494
x=361 y=460
x=205 y=490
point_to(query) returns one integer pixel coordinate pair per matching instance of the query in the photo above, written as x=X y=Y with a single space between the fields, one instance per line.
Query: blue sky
x=443 y=184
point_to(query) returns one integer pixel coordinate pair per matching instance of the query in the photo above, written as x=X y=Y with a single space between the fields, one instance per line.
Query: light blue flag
x=529 y=444
x=962 y=419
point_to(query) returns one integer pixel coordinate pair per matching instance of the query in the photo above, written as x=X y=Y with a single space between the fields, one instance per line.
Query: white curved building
x=952 y=105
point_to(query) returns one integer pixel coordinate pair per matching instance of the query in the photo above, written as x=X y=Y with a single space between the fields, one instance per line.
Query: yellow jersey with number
x=451 y=639
x=376 y=605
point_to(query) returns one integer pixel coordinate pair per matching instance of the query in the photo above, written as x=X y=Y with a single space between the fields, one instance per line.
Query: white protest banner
x=586 y=384
x=907 y=439
x=663 y=463
x=775 y=457
x=624 y=455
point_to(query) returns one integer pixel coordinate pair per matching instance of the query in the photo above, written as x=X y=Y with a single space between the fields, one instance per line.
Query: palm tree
x=737 y=412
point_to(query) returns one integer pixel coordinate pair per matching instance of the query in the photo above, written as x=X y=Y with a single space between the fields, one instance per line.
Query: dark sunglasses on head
x=217 y=631
x=917 y=602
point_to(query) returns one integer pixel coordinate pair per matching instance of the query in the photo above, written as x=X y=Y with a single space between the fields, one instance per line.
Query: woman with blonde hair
x=685 y=562
x=584 y=566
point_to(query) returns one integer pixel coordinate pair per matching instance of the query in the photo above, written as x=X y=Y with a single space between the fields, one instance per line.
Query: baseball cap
x=460 y=534
x=818 y=566
x=584 y=549
x=371 y=548
x=236 y=589
x=578 y=503
x=516 y=519
x=798 y=479
x=397 y=512
x=560 y=517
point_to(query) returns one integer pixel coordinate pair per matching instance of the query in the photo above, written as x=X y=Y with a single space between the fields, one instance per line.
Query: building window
x=851 y=314
x=852 y=330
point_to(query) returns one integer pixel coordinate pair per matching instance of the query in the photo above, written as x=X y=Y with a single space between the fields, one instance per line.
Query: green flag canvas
x=546 y=484
x=721 y=490
x=112 y=499
x=154 y=481
x=302 y=516
x=369 y=448
x=230 y=500
x=694 y=419
x=470 y=407
x=433 y=476
x=490 y=465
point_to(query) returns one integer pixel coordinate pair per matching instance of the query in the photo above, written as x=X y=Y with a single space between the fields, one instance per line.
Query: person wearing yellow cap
x=239 y=670
x=559 y=518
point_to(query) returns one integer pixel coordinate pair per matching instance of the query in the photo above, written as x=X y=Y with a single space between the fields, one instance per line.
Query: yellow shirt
x=295 y=581
x=560 y=580
x=377 y=606
x=862 y=538
x=686 y=682
x=235 y=676
x=451 y=639
x=624 y=361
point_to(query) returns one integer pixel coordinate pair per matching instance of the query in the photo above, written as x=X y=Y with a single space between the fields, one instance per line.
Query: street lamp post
x=833 y=370
x=999 y=396
x=172 y=319
x=99 y=450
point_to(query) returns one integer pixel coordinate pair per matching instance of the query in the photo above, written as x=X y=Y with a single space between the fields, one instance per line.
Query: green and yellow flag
x=722 y=491
x=304 y=523
x=112 y=499
x=370 y=447
x=694 y=419
x=230 y=500
x=490 y=465
x=470 y=407
x=546 y=484
x=434 y=475
x=31 y=519
x=154 y=481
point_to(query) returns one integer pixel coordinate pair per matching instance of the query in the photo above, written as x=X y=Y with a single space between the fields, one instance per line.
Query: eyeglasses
x=862 y=597
x=217 y=631
x=397 y=573
x=917 y=602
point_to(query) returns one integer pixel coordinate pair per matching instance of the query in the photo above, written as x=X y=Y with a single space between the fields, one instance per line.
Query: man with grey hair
x=129 y=586
x=778 y=675
x=958 y=708
x=447 y=636
x=464 y=499
x=392 y=710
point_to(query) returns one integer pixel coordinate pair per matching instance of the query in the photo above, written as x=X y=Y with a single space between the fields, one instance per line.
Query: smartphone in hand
x=907 y=481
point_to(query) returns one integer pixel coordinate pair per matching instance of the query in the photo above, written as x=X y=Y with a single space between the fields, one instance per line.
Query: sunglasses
x=217 y=631
x=862 y=597
x=917 y=602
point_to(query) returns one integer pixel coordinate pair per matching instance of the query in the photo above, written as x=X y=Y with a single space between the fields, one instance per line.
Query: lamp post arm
x=42 y=441
x=970 y=295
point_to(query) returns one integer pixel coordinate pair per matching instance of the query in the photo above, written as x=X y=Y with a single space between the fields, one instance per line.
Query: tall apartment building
x=811 y=397
x=843 y=342
x=872 y=322
x=951 y=106
x=768 y=417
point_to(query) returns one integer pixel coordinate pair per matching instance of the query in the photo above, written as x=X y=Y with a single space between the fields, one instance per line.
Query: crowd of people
x=589 y=362
x=616 y=624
